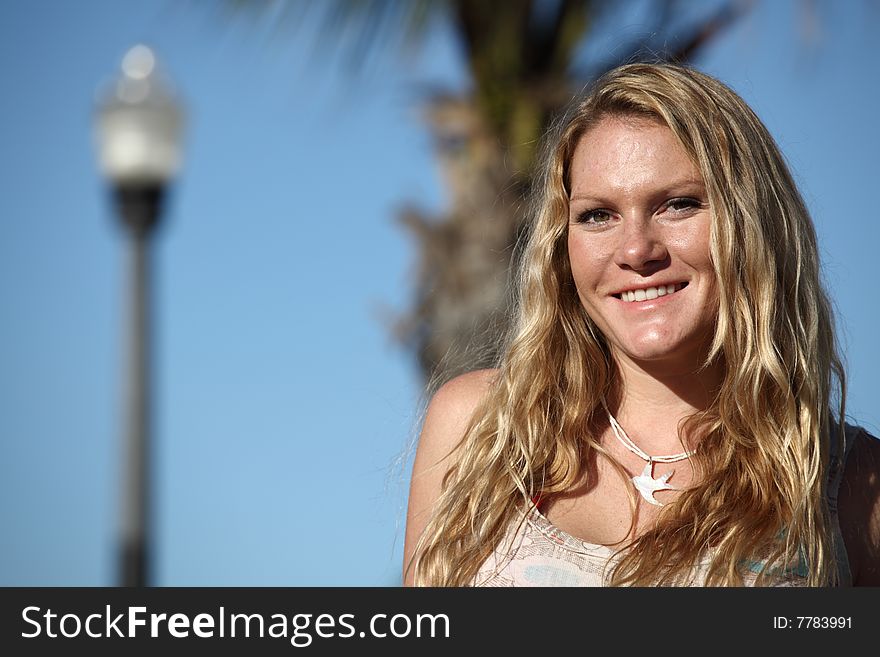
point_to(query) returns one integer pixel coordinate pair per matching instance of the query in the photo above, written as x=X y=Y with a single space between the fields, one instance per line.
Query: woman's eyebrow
x=666 y=188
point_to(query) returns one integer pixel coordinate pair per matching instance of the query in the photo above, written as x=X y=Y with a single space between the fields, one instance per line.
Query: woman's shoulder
x=453 y=406
x=465 y=392
x=446 y=421
x=859 y=505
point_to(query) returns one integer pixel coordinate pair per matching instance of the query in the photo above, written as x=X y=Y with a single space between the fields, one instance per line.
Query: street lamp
x=138 y=132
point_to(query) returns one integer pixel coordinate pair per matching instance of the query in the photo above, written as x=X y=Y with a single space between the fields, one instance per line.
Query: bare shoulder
x=859 y=508
x=446 y=420
x=454 y=403
x=451 y=409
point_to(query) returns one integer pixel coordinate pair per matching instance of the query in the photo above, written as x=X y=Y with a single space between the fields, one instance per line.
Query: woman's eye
x=682 y=204
x=594 y=217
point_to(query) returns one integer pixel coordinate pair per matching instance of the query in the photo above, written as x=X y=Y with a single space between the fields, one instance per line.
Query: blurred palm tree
x=525 y=58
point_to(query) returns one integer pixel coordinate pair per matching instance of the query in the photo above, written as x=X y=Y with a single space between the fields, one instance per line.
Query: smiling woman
x=670 y=285
x=639 y=224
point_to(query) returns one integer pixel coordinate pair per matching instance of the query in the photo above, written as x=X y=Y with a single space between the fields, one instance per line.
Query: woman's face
x=638 y=242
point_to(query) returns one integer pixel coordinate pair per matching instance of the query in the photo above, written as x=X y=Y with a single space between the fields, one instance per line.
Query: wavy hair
x=765 y=438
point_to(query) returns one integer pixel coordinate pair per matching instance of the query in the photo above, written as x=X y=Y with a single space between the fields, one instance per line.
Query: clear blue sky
x=282 y=402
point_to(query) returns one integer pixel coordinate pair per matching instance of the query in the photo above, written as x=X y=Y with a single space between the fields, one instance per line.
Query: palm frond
x=353 y=31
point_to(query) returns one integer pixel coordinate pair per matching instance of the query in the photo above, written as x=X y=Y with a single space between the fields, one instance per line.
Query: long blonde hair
x=764 y=452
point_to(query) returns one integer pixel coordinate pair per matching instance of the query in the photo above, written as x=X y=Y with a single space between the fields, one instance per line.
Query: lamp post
x=138 y=130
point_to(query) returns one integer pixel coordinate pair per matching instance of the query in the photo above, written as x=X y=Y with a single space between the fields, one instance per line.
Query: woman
x=668 y=408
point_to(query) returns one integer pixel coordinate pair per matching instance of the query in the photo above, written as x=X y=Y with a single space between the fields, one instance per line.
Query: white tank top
x=534 y=552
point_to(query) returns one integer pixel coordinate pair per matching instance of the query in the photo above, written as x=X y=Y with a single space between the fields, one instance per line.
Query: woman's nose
x=642 y=247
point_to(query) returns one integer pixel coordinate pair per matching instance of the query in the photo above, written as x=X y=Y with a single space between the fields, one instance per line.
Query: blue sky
x=282 y=402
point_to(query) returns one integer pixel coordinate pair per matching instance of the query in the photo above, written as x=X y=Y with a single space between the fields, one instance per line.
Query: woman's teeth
x=650 y=293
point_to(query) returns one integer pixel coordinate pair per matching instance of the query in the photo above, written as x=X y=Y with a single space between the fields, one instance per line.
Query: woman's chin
x=665 y=352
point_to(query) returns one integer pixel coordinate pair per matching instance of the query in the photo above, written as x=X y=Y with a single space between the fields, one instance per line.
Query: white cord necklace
x=645 y=483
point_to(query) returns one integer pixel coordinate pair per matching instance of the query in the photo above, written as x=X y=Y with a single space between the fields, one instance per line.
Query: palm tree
x=524 y=60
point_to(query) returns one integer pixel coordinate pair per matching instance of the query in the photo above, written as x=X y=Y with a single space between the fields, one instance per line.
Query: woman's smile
x=649 y=293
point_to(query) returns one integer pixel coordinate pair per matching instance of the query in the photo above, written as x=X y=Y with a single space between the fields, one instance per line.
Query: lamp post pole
x=140 y=211
x=138 y=132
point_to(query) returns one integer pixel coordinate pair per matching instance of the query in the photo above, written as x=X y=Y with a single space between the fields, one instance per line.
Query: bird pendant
x=647 y=485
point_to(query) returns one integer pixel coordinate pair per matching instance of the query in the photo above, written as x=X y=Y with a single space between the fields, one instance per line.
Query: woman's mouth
x=649 y=293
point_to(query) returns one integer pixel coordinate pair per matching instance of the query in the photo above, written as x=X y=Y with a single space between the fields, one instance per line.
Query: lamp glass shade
x=139 y=127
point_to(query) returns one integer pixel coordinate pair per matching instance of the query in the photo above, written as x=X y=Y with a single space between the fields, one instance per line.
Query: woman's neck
x=655 y=398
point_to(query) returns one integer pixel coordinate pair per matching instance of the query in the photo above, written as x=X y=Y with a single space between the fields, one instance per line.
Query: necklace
x=645 y=483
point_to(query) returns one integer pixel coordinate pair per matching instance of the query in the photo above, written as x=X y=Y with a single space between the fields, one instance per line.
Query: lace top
x=537 y=553
x=534 y=552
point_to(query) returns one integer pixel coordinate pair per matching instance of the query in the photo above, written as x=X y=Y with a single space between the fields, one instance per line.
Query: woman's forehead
x=622 y=155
